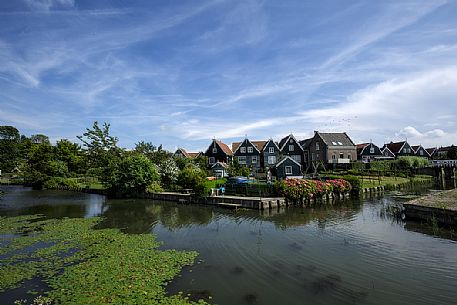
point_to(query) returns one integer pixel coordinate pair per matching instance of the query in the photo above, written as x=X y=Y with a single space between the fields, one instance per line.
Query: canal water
x=354 y=252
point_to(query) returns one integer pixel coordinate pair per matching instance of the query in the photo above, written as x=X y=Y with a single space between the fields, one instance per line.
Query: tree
x=71 y=154
x=132 y=175
x=40 y=139
x=452 y=153
x=169 y=172
x=102 y=149
x=192 y=177
x=41 y=165
x=9 y=148
x=236 y=169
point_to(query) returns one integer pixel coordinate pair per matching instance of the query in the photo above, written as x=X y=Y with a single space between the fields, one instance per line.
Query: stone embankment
x=438 y=207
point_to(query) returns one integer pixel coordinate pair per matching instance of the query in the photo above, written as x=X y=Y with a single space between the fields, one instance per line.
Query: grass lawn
x=373 y=181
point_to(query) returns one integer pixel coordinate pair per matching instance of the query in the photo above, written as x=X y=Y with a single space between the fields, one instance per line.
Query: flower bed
x=298 y=190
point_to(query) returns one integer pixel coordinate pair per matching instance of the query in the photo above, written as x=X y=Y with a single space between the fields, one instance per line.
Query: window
x=371 y=150
x=313 y=156
x=333 y=156
x=317 y=145
x=296 y=158
x=408 y=150
x=214 y=150
x=254 y=160
x=421 y=152
x=339 y=143
x=288 y=170
x=349 y=157
x=211 y=160
x=250 y=150
x=291 y=148
x=243 y=150
x=271 y=150
x=242 y=160
x=341 y=156
x=291 y=141
x=271 y=159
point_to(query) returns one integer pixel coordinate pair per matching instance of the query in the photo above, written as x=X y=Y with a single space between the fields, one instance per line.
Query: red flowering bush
x=340 y=185
x=300 y=189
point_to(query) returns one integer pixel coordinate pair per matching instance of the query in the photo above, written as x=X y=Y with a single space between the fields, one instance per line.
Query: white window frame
x=296 y=158
x=271 y=159
x=288 y=170
x=254 y=160
x=243 y=150
x=317 y=145
x=242 y=159
x=372 y=150
x=250 y=150
x=214 y=150
x=271 y=150
x=291 y=147
x=211 y=160
x=341 y=155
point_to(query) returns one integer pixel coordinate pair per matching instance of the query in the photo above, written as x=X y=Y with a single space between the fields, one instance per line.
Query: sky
x=180 y=73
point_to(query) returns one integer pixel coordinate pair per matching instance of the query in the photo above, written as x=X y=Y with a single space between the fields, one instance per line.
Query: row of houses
x=290 y=157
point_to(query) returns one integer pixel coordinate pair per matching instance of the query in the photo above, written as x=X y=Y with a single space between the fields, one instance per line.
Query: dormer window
x=271 y=150
x=243 y=150
x=250 y=150
x=317 y=145
x=214 y=150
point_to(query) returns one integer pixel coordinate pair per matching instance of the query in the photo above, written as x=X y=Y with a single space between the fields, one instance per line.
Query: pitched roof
x=222 y=164
x=188 y=154
x=305 y=143
x=335 y=138
x=274 y=143
x=194 y=154
x=395 y=147
x=384 y=148
x=258 y=144
x=285 y=158
x=224 y=147
x=415 y=148
x=361 y=147
x=284 y=140
x=431 y=150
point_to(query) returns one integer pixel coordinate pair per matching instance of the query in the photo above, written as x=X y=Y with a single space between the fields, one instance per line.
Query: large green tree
x=71 y=154
x=102 y=150
x=9 y=148
x=132 y=175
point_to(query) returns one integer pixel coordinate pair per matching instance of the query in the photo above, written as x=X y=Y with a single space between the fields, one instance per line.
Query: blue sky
x=182 y=72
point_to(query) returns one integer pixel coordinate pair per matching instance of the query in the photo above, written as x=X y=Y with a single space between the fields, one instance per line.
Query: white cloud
x=46 y=5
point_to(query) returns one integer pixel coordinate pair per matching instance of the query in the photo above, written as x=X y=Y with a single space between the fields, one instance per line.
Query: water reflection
x=354 y=252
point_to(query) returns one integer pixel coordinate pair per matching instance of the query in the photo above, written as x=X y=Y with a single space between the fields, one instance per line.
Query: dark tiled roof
x=305 y=143
x=415 y=148
x=430 y=150
x=283 y=141
x=395 y=147
x=336 y=139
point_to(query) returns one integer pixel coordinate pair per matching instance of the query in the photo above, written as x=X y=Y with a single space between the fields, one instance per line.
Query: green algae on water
x=82 y=265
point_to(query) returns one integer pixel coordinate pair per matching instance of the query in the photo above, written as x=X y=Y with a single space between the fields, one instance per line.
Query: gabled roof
x=284 y=159
x=415 y=148
x=361 y=147
x=274 y=143
x=285 y=140
x=395 y=147
x=258 y=145
x=335 y=138
x=222 y=145
x=431 y=150
x=183 y=152
x=387 y=148
x=222 y=164
x=305 y=143
x=188 y=154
